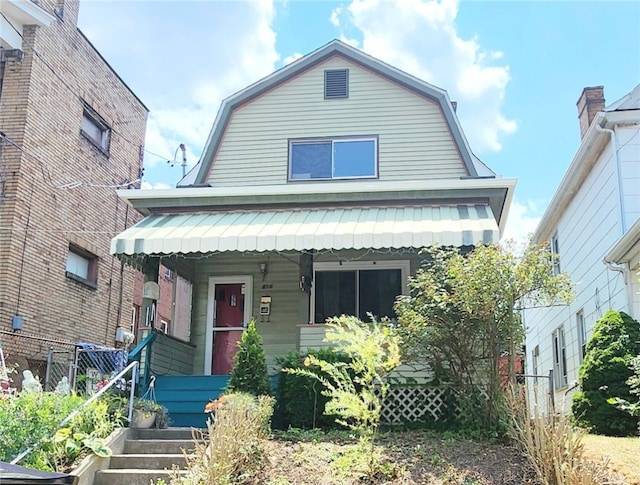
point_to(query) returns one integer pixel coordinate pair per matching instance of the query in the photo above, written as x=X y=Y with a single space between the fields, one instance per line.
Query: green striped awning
x=309 y=228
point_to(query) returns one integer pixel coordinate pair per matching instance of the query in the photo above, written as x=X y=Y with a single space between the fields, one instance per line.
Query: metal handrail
x=133 y=365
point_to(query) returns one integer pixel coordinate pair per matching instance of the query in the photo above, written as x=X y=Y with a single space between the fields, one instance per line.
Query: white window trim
x=403 y=265
x=559 y=365
x=247 y=281
x=581 y=329
x=311 y=141
x=554 y=246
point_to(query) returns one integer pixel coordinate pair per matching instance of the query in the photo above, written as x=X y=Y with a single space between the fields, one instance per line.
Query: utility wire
x=74 y=91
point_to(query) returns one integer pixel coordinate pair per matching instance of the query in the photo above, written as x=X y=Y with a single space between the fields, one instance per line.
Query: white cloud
x=182 y=77
x=421 y=37
x=293 y=57
x=149 y=186
x=522 y=220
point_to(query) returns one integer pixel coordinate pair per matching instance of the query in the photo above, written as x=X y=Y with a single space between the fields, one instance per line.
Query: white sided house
x=316 y=189
x=593 y=225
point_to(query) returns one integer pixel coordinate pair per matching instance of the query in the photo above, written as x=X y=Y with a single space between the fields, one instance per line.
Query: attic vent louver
x=336 y=83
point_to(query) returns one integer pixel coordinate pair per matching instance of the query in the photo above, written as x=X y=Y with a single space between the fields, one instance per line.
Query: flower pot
x=143 y=420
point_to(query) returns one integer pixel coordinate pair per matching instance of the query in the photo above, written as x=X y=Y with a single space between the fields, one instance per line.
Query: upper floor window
x=95 y=129
x=555 y=253
x=340 y=158
x=336 y=83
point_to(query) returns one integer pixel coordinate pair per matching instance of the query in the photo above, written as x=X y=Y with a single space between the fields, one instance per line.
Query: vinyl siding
x=414 y=139
x=289 y=308
x=587 y=229
x=629 y=159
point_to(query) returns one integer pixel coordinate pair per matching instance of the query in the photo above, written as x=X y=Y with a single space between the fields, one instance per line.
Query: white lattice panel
x=413 y=403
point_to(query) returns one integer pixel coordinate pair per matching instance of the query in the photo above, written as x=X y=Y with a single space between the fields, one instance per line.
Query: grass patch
x=623 y=454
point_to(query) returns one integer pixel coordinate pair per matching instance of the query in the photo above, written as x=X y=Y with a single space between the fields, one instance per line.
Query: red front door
x=229 y=316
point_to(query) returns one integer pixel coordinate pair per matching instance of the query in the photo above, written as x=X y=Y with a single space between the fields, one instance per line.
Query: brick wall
x=41 y=109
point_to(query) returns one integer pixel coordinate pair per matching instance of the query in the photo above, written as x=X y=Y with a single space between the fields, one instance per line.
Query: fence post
x=47 y=371
x=552 y=392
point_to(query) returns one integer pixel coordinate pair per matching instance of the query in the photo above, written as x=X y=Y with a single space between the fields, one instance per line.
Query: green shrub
x=604 y=374
x=249 y=372
x=301 y=401
x=27 y=418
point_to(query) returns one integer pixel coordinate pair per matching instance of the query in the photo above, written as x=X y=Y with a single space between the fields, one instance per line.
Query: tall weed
x=232 y=450
x=551 y=444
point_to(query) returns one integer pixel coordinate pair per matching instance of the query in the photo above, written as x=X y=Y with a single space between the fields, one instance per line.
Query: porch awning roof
x=309 y=228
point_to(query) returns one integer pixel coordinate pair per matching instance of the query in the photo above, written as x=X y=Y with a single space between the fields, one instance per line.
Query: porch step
x=186 y=396
x=147 y=460
x=148 y=455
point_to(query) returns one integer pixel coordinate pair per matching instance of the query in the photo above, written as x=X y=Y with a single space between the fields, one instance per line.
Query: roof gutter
x=614 y=146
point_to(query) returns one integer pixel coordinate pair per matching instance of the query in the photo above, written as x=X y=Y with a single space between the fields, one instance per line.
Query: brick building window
x=95 y=129
x=82 y=266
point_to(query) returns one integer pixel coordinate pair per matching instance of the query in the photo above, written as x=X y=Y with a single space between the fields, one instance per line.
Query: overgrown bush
x=301 y=401
x=27 y=419
x=232 y=451
x=604 y=374
x=249 y=372
x=356 y=389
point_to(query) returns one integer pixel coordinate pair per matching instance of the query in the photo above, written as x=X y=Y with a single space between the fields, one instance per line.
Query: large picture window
x=357 y=289
x=327 y=159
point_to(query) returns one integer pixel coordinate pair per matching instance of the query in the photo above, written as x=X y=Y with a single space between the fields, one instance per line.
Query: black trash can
x=19 y=475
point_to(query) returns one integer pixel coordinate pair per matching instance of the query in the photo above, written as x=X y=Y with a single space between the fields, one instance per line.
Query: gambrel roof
x=198 y=176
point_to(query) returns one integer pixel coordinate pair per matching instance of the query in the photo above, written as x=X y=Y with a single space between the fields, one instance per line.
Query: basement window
x=82 y=266
x=336 y=83
x=95 y=129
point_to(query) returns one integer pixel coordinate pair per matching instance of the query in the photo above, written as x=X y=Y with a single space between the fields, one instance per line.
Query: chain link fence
x=60 y=364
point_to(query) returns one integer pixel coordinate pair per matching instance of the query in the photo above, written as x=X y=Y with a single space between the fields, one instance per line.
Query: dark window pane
x=354 y=158
x=378 y=292
x=335 y=294
x=311 y=160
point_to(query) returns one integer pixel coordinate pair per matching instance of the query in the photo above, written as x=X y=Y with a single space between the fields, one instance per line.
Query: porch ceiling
x=307 y=229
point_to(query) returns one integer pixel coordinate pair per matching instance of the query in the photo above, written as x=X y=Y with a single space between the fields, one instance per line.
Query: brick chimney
x=590 y=102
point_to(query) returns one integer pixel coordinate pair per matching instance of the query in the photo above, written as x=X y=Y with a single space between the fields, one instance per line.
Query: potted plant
x=148 y=413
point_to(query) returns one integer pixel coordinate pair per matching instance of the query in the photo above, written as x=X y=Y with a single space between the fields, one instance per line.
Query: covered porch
x=289 y=270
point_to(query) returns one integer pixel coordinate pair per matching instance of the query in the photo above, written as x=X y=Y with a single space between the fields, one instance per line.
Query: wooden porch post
x=148 y=309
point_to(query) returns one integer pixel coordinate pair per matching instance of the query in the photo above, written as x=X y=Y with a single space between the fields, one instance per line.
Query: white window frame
x=403 y=265
x=333 y=141
x=559 y=350
x=81 y=266
x=582 y=335
x=554 y=246
x=535 y=360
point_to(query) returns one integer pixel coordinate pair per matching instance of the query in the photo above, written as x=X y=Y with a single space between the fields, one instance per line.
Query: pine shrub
x=249 y=372
x=604 y=374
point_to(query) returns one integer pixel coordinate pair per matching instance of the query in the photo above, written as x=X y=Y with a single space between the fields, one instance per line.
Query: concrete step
x=182 y=433
x=133 y=477
x=140 y=461
x=158 y=446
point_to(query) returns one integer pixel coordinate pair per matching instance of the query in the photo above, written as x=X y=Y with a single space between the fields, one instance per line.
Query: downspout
x=614 y=145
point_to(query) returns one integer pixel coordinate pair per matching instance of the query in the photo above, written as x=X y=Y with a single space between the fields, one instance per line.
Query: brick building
x=71 y=130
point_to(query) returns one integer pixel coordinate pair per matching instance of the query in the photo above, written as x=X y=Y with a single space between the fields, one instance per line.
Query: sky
x=516 y=68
